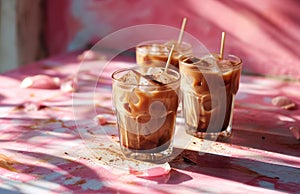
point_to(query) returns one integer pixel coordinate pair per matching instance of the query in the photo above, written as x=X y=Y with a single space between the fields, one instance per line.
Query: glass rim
x=185 y=46
x=237 y=60
x=113 y=76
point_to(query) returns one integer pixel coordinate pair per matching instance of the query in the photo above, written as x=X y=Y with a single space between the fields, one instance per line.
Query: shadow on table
x=7 y=191
x=245 y=171
x=266 y=130
x=69 y=174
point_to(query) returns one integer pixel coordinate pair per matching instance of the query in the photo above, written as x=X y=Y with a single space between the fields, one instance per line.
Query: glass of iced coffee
x=209 y=85
x=146 y=100
x=155 y=53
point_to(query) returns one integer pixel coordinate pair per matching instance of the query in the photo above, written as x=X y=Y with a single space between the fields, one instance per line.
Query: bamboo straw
x=169 y=59
x=181 y=31
x=222 y=45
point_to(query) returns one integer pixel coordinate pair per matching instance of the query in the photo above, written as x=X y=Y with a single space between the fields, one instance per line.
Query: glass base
x=220 y=136
x=148 y=155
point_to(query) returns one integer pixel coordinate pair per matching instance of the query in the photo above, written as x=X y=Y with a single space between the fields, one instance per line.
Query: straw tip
x=222 y=45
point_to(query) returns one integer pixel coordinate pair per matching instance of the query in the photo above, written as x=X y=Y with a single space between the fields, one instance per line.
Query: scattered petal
x=134 y=171
x=104 y=119
x=68 y=84
x=41 y=82
x=295 y=131
x=100 y=120
x=150 y=171
x=31 y=106
x=283 y=102
x=90 y=55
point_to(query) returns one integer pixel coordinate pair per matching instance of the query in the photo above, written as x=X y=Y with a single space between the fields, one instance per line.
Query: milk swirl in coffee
x=146 y=102
x=201 y=77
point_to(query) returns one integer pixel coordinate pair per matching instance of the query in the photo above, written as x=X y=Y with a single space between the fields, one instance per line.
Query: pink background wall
x=265 y=34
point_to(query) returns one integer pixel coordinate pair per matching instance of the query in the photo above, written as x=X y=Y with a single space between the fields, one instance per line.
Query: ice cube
x=157 y=76
x=154 y=71
x=130 y=78
x=154 y=48
x=143 y=51
x=164 y=78
x=191 y=60
x=210 y=63
x=144 y=81
x=177 y=47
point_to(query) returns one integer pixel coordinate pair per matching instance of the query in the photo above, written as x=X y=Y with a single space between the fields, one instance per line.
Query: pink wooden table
x=46 y=148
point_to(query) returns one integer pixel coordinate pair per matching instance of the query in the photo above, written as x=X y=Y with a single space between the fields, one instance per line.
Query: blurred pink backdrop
x=265 y=34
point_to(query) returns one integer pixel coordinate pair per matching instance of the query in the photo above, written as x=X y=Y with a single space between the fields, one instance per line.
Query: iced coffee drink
x=209 y=86
x=155 y=53
x=146 y=102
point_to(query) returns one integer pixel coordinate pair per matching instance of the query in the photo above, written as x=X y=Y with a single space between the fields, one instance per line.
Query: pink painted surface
x=42 y=150
x=263 y=33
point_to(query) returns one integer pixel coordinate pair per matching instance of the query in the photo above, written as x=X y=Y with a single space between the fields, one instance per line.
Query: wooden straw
x=222 y=45
x=181 y=31
x=169 y=58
